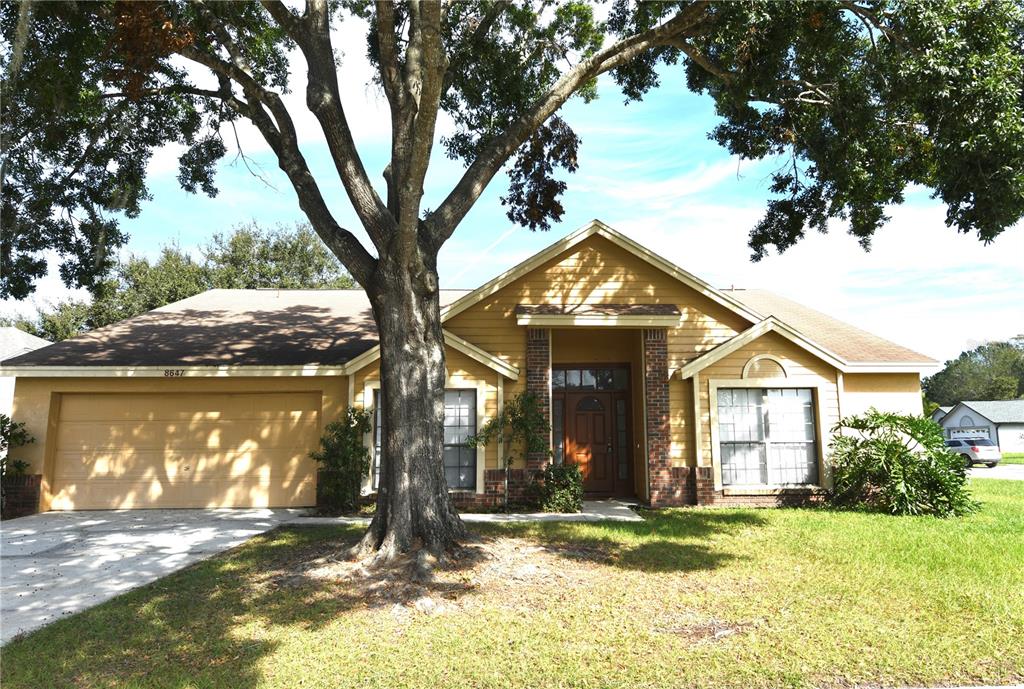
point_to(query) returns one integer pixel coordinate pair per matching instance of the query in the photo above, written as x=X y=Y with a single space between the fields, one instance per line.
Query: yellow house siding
x=596 y=271
x=891 y=392
x=38 y=403
x=803 y=369
x=680 y=396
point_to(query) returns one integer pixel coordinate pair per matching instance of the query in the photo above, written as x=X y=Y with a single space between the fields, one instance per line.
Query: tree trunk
x=414 y=510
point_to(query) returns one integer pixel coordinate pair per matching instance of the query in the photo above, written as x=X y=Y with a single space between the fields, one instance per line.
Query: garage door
x=119 y=451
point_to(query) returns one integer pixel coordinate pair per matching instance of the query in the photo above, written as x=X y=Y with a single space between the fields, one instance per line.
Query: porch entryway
x=591 y=424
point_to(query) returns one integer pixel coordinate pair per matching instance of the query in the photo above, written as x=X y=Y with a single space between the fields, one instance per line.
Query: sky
x=649 y=170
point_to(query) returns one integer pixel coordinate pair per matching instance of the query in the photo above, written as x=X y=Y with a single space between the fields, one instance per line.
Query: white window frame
x=450 y=383
x=816 y=387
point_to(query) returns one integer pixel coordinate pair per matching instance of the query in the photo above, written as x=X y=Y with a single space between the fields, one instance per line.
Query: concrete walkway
x=59 y=563
x=593 y=511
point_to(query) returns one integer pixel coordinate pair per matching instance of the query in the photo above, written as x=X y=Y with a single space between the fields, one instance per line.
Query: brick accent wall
x=668 y=488
x=538 y=382
x=21 y=495
x=705 y=485
x=708 y=496
x=492 y=497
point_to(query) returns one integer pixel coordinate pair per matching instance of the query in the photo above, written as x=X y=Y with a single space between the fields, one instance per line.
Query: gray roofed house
x=14 y=342
x=1001 y=421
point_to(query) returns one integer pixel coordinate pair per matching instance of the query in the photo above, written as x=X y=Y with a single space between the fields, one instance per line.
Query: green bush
x=899 y=464
x=520 y=425
x=344 y=460
x=559 y=488
x=12 y=436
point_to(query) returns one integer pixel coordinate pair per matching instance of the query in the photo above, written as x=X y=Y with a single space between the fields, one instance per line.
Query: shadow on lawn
x=204 y=625
x=677 y=541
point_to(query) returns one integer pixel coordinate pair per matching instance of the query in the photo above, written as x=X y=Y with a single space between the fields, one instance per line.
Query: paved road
x=59 y=563
x=1013 y=472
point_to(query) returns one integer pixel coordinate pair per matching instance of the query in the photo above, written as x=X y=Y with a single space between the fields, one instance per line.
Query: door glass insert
x=621 y=451
x=558 y=429
x=610 y=378
x=589 y=404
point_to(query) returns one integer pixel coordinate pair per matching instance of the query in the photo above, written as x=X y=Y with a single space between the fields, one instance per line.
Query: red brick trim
x=21 y=495
x=668 y=487
x=538 y=382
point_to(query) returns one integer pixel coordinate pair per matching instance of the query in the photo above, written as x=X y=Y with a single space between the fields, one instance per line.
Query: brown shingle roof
x=849 y=342
x=262 y=327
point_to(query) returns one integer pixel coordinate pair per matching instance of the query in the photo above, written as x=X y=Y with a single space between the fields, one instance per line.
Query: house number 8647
x=173 y=372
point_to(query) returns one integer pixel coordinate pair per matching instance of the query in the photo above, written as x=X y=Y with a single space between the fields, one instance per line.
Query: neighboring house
x=662 y=388
x=939 y=413
x=1002 y=422
x=14 y=342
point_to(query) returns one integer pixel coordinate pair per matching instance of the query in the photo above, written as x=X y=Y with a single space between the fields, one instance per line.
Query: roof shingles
x=850 y=343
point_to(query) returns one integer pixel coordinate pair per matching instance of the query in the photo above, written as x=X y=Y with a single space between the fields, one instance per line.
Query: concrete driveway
x=1013 y=472
x=58 y=563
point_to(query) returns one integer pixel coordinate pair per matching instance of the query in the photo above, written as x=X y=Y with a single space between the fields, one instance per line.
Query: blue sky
x=649 y=170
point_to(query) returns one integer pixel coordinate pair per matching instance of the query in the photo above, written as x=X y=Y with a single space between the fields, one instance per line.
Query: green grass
x=1013 y=458
x=800 y=598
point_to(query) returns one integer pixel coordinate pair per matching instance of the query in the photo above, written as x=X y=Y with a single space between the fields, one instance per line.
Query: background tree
x=992 y=371
x=249 y=257
x=859 y=99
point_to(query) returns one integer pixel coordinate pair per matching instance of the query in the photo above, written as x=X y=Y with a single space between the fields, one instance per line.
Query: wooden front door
x=591 y=439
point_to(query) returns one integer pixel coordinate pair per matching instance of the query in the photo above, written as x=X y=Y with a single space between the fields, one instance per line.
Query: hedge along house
x=659 y=386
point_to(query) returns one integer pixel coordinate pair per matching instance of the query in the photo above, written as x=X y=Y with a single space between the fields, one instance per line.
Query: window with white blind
x=459 y=424
x=766 y=436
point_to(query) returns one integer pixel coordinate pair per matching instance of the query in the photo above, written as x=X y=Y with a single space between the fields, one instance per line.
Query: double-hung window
x=766 y=436
x=459 y=424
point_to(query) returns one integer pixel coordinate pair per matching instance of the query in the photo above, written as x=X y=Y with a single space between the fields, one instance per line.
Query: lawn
x=1013 y=458
x=715 y=598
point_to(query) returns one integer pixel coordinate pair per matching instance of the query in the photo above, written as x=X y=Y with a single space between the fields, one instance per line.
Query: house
x=661 y=387
x=1002 y=422
x=14 y=342
x=939 y=413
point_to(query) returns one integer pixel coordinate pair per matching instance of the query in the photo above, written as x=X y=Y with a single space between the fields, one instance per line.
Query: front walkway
x=59 y=563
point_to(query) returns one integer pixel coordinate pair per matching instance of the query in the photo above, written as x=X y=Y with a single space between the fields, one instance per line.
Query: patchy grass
x=715 y=598
x=1013 y=458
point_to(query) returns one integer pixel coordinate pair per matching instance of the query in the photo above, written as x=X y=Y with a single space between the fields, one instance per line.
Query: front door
x=590 y=439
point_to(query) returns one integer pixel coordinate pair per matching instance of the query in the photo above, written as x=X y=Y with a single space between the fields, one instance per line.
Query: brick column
x=665 y=488
x=705 y=485
x=538 y=383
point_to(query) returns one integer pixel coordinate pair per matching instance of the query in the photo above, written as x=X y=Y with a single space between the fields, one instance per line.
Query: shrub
x=898 y=464
x=344 y=460
x=12 y=436
x=520 y=425
x=559 y=488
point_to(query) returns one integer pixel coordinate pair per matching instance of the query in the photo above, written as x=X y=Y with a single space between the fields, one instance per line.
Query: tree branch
x=443 y=221
x=323 y=97
x=280 y=134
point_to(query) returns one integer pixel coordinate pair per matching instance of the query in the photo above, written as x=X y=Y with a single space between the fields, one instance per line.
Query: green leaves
x=344 y=460
x=992 y=371
x=855 y=101
x=897 y=464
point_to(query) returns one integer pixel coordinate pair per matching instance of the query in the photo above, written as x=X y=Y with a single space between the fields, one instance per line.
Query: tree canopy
x=248 y=257
x=992 y=371
x=858 y=100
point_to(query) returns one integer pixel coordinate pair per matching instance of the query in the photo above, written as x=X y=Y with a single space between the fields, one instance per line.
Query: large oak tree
x=857 y=98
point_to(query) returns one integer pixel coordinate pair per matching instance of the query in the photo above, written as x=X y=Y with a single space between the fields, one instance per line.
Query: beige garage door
x=186 y=450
